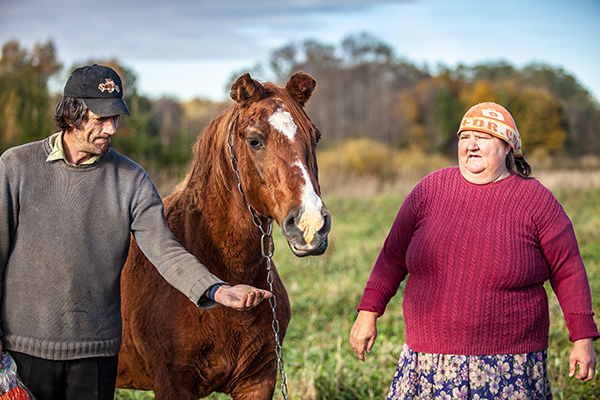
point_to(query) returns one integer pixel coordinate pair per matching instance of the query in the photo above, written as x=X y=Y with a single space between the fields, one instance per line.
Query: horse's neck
x=235 y=238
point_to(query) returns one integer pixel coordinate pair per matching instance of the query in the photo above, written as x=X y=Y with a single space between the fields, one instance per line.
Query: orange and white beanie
x=494 y=119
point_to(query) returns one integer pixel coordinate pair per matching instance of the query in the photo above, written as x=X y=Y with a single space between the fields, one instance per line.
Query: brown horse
x=257 y=156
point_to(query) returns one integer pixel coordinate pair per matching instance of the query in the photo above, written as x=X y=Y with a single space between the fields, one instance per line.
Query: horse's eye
x=254 y=143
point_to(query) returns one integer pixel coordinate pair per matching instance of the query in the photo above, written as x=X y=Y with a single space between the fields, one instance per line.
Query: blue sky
x=187 y=48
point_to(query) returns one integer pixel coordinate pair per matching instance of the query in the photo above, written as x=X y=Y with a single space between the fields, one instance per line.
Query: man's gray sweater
x=64 y=238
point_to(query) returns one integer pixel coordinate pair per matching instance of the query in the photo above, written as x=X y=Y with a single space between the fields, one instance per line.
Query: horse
x=254 y=163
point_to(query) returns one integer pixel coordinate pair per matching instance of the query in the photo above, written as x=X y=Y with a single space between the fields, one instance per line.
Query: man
x=67 y=207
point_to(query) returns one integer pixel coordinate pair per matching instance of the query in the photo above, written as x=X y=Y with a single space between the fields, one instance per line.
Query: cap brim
x=107 y=107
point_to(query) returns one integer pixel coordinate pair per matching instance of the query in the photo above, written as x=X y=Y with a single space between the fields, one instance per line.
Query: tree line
x=158 y=134
x=363 y=90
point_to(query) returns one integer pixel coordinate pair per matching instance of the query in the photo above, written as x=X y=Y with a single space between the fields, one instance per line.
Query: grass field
x=324 y=292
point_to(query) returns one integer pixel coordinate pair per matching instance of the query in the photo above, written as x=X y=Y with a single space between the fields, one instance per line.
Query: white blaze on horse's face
x=312 y=218
x=283 y=122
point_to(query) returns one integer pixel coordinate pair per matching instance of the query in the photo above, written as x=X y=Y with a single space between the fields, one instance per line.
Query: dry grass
x=569 y=179
x=362 y=167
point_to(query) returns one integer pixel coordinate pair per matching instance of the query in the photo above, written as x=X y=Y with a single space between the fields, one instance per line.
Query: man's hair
x=70 y=113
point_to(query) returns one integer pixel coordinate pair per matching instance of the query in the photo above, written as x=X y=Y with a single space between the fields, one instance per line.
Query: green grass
x=325 y=291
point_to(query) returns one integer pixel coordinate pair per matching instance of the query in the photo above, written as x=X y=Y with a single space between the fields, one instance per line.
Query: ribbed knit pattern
x=477 y=257
x=64 y=238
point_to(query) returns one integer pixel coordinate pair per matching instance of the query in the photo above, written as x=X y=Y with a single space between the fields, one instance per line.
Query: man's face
x=95 y=135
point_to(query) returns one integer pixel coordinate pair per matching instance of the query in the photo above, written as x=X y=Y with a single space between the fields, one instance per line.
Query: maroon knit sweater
x=477 y=257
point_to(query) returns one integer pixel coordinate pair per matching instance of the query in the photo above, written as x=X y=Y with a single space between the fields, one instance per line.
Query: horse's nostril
x=290 y=224
x=326 y=223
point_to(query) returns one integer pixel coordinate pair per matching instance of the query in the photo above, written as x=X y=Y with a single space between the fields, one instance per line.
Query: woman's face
x=482 y=157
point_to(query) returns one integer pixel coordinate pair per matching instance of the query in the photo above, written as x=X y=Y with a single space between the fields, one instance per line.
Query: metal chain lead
x=267 y=247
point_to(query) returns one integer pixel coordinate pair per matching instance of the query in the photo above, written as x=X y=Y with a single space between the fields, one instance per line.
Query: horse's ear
x=301 y=86
x=246 y=90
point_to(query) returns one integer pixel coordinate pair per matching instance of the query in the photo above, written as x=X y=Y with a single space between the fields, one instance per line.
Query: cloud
x=189 y=36
x=162 y=30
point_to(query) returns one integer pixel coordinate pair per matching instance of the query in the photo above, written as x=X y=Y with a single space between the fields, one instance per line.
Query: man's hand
x=584 y=356
x=364 y=333
x=241 y=297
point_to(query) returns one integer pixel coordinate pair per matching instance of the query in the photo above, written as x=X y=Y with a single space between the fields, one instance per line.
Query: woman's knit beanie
x=495 y=120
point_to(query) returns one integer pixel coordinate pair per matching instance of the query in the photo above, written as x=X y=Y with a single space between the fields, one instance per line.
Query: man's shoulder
x=25 y=152
x=126 y=170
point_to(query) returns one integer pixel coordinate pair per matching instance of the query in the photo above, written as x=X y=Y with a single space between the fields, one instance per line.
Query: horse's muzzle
x=307 y=238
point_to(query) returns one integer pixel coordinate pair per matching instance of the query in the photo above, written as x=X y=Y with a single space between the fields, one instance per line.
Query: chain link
x=267 y=248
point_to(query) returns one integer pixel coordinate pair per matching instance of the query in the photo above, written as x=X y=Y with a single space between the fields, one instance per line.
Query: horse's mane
x=212 y=164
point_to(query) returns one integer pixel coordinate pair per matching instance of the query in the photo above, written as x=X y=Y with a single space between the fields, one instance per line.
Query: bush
x=371 y=167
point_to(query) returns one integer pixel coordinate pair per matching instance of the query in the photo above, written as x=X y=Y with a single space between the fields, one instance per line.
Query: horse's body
x=170 y=345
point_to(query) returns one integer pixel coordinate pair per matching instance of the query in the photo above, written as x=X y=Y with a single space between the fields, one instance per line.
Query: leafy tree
x=574 y=126
x=26 y=108
x=540 y=119
x=364 y=89
x=580 y=110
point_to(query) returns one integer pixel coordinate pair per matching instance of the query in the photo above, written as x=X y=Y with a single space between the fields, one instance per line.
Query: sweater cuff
x=581 y=326
x=372 y=301
x=198 y=291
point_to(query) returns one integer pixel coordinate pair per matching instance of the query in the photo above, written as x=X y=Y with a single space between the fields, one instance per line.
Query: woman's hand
x=364 y=333
x=584 y=356
x=241 y=297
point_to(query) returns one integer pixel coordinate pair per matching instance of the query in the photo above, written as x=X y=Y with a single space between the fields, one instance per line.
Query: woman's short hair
x=70 y=112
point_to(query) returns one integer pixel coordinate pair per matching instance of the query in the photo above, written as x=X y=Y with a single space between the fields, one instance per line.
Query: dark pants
x=82 y=379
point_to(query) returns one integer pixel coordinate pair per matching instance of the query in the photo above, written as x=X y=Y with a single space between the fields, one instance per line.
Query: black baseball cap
x=99 y=87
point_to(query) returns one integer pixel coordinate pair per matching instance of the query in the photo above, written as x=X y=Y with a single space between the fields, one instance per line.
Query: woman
x=477 y=242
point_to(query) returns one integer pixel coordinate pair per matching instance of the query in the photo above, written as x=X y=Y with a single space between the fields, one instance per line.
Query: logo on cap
x=109 y=85
x=490 y=112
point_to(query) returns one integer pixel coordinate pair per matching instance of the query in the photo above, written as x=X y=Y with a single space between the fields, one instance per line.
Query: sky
x=190 y=48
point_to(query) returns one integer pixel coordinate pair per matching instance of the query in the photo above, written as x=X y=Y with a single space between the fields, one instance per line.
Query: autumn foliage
x=363 y=91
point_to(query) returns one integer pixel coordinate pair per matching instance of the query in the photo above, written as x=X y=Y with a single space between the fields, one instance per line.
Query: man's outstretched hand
x=241 y=297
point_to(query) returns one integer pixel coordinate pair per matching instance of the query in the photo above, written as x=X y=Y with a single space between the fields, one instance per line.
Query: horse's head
x=274 y=142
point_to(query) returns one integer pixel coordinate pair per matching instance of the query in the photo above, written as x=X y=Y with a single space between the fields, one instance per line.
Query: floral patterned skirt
x=445 y=376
